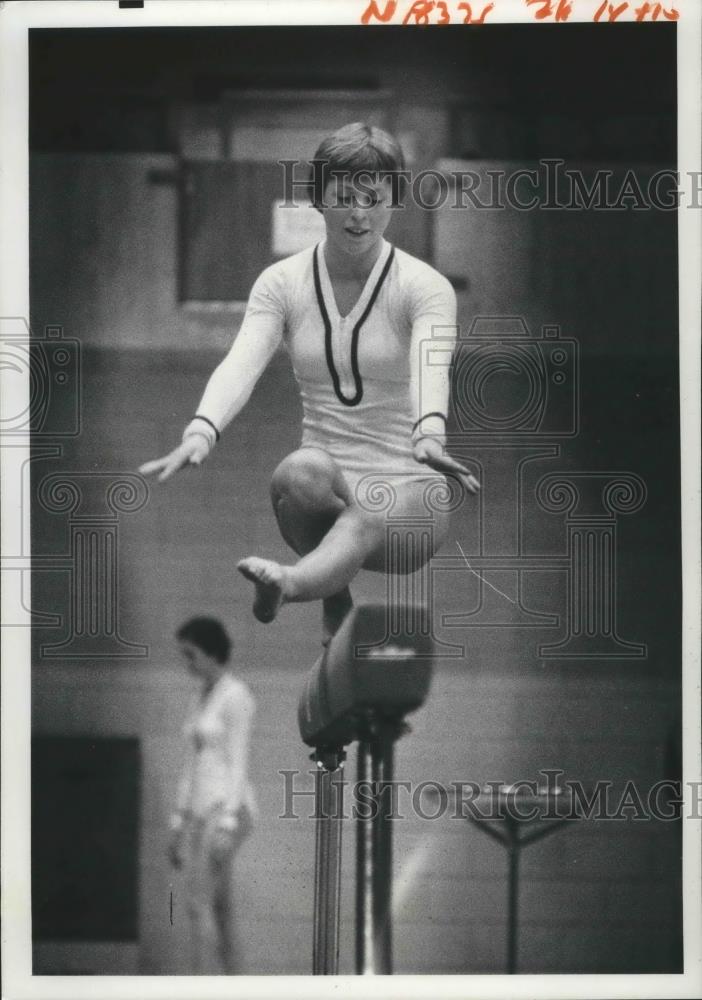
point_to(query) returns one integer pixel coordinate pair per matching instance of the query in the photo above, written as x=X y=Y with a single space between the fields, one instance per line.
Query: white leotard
x=215 y=767
x=364 y=378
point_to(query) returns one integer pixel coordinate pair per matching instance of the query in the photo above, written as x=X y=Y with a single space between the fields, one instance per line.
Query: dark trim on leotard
x=199 y=416
x=358 y=384
x=434 y=413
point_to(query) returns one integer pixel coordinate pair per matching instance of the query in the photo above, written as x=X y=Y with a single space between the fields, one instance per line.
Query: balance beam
x=361 y=674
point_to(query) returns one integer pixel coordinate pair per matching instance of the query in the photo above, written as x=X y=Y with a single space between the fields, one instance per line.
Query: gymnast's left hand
x=430 y=451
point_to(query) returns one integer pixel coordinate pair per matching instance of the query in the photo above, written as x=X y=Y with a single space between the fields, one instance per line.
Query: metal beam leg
x=374 y=853
x=512 y=905
x=329 y=792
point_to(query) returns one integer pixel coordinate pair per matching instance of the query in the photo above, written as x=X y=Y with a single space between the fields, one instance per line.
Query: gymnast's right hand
x=193 y=450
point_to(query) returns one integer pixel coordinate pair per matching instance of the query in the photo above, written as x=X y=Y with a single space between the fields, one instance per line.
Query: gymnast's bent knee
x=309 y=476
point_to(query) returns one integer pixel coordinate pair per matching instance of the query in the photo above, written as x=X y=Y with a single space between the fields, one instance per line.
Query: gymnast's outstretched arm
x=434 y=330
x=232 y=382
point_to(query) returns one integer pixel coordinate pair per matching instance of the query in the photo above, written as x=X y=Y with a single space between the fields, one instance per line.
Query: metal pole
x=329 y=792
x=382 y=768
x=364 y=842
x=513 y=849
x=374 y=854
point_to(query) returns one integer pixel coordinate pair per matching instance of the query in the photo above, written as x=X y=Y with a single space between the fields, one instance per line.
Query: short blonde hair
x=352 y=150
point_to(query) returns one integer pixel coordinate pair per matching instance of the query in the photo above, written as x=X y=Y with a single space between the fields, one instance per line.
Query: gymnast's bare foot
x=268 y=578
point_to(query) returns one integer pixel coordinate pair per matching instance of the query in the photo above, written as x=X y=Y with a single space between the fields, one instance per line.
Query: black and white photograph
x=350 y=446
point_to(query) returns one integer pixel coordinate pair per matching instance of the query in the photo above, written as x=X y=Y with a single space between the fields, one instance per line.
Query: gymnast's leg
x=320 y=520
x=308 y=493
x=203 y=927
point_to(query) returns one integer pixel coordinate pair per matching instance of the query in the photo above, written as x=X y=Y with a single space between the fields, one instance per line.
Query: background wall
x=596 y=896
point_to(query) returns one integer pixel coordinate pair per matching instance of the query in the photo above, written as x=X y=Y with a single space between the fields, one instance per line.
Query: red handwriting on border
x=422 y=12
x=546 y=9
x=641 y=13
x=425 y=12
x=656 y=9
x=610 y=10
x=469 y=18
x=421 y=9
x=373 y=11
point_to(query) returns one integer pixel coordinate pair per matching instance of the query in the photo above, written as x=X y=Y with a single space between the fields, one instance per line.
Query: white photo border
x=16 y=19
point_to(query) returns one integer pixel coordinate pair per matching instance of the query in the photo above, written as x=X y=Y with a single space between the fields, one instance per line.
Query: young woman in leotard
x=354 y=313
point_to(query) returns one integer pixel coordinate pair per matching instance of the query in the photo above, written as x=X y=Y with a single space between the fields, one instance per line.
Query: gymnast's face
x=198 y=663
x=356 y=214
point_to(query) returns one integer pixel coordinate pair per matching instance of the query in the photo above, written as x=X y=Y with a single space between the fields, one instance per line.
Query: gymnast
x=353 y=312
x=216 y=808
